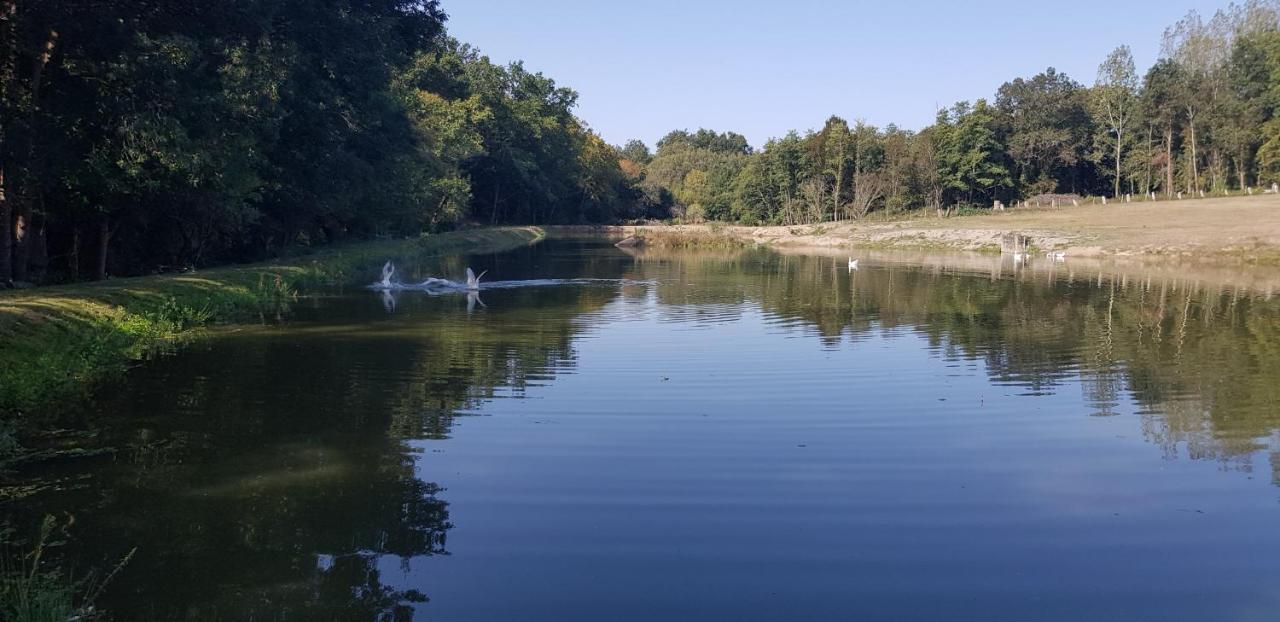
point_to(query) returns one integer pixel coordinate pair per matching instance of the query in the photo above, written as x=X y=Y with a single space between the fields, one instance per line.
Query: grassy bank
x=59 y=342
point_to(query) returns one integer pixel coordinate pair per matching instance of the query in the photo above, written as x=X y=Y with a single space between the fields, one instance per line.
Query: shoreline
x=61 y=342
x=1237 y=230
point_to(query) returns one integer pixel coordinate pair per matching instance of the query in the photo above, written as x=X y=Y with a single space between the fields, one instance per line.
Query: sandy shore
x=1234 y=230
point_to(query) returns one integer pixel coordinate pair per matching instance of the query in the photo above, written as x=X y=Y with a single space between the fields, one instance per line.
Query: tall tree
x=1161 y=107
x=835 y=149
x=1115 y=102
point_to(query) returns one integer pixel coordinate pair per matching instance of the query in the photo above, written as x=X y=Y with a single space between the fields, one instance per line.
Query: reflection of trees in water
x=1200 y=361
x=280 y=529
x=294 y=532
x=268 y=477
x=460 y=363
x=250 y=497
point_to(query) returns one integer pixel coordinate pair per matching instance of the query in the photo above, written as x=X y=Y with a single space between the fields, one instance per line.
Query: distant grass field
x=57 y=343
x=1240 y=229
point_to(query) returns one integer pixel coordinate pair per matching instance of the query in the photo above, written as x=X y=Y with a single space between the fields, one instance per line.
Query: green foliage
x=34 y=589
x=1048 y=130
x=148 y=140
x=970 y=155
x=636 y=151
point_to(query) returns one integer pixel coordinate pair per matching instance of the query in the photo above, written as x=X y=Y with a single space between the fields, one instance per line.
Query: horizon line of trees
x=1205 y=118
x=145 y=136
x=142 y=137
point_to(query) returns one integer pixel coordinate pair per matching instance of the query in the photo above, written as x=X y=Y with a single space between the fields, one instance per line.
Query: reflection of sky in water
x=708 y=436
x=833 y=481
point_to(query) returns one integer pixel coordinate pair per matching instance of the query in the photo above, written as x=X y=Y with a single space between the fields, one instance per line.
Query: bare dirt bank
x=1233 y=230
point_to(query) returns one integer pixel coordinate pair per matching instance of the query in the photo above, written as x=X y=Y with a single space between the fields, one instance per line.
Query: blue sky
x=762 y=68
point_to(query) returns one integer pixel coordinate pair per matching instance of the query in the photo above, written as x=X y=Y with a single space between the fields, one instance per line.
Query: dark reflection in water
x=746 y=436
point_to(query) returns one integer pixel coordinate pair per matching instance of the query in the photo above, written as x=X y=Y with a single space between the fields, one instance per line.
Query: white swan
x=388 y=269
x=1056 y=255
x=853 y=263
x=473 y=281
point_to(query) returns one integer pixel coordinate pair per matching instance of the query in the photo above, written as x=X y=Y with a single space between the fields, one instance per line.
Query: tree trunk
x=1119 y=135
x=1240 y=167
x=73 y=255
x=38 y=261
x=6 y=234
x=21 y=239
x=1146 y=182
x=1168 y=164
x=835 y=197
x=493 y=218
x=1195 y=169
x=1215 y=160
x=22 y=230
x=104 y=242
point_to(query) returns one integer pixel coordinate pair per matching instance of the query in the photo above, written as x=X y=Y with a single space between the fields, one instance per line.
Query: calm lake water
x=731 y=435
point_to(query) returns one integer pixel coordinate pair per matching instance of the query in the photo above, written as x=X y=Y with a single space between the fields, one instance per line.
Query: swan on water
x=388 y=269
x=853 y=263
x=473 y=281
x=1056 y=255
x=430 y=284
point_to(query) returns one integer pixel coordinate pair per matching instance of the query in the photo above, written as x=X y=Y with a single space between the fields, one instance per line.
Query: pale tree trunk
x=1151 y=150
x=21 y=240
x=1215 y=159
x=1195 y=168
x=1117 y=191
x=1168 y=163
x=1240 y=167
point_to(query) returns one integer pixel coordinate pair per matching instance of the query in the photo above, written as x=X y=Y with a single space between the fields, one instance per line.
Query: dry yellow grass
x=1232 y=229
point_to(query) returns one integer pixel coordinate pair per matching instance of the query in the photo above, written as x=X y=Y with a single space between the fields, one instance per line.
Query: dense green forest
x=148 y=136
x=139 y=136
x=1202 y=119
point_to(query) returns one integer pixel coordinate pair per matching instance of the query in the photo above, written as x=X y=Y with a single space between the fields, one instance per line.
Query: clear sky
x=761 y=68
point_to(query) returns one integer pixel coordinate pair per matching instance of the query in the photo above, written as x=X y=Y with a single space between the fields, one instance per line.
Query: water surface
x=724 y=435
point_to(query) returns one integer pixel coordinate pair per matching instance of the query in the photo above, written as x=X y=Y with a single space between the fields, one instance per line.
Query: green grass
x=713 y=238
x=32 y=589
x=61 y=342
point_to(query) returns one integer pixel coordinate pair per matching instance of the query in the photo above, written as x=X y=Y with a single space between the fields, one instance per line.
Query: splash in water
x=473 y=281
x=471 y=287
x=430 y=284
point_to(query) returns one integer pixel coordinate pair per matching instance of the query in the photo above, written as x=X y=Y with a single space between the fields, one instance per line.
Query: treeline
x=139 y=136
x=162 y=135
x=1203 y=119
